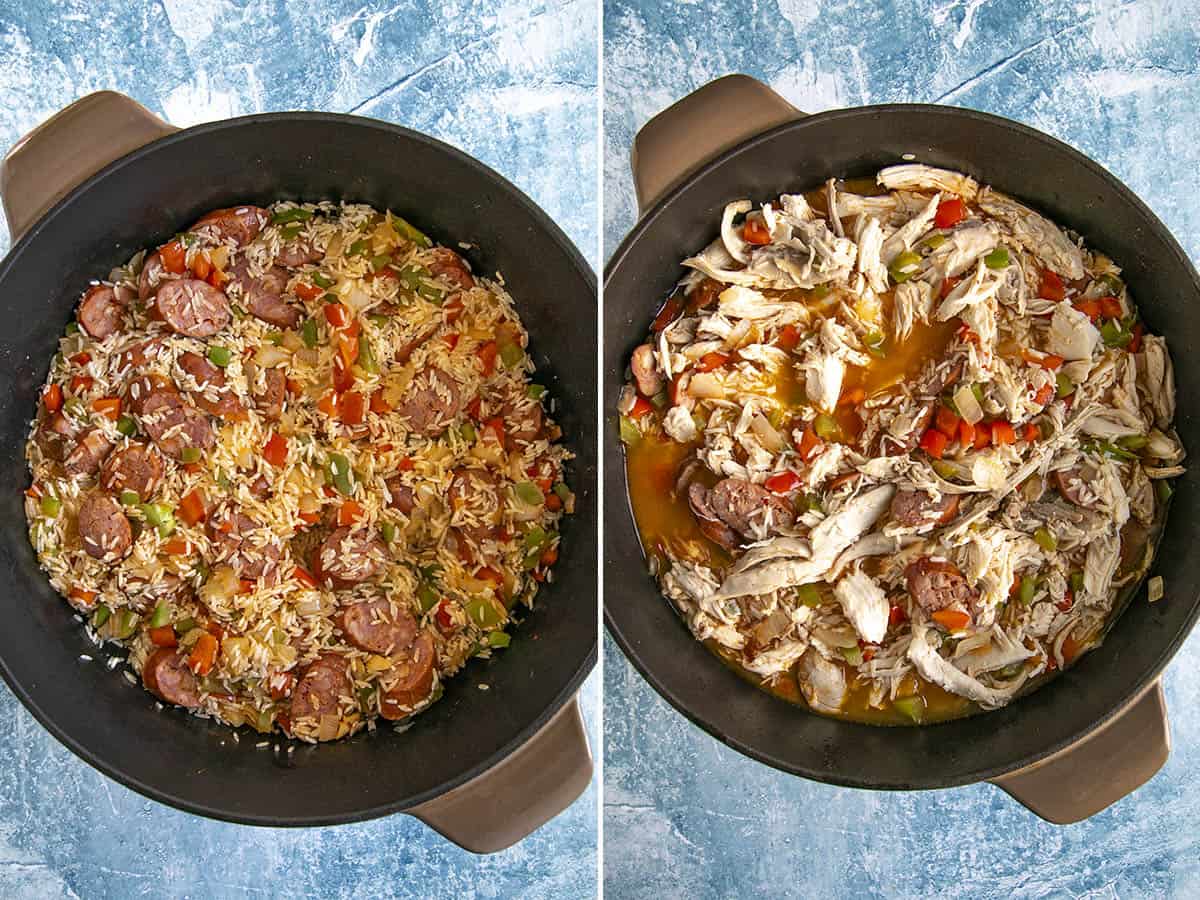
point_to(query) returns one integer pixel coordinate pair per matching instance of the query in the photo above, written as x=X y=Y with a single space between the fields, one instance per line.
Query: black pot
x=483 y=767
x=1066 y=750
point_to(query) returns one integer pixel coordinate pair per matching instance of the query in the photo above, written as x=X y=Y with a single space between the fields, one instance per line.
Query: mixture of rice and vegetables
x=294 y=463
x=899 y=448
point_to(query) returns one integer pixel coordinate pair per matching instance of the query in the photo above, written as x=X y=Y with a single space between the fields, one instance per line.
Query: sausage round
x=192 y=307
x=152 y=275
x=410 y=680
x=1072 y=484
x=173 y=425
x=936 y=583
x=263 y=296
x=476 y=498
x=523 y=419
x=298 y=252
x=431 y=402
x=100 y=312
x=269 y=401
x=449 y=266
x=135 y=467
x=371 y=625
x=350 y=556
x=742 y=505
x=240 y=224
x=322 y=689
x=166 y=675
x=400 y=495
x=911 y=508
x=103 y=529
x=706 y=517
x=252 y=550
x=86 y=456
x=212 y=382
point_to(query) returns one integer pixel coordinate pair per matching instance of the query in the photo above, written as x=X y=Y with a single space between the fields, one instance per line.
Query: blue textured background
x=687 y=817
x=510 y=82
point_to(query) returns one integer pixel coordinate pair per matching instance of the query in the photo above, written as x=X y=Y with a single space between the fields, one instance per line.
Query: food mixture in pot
x=896 y=447
x=294 y=461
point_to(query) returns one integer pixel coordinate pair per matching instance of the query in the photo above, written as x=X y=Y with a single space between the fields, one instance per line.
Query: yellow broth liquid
x=665 y=522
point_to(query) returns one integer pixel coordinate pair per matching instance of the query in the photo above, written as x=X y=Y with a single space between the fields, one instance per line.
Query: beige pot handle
x=697 y=128
x=1108 y=765
x=69 y=147
x=519 y=795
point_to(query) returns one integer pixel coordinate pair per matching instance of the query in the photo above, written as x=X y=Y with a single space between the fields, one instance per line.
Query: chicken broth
x=903 y=466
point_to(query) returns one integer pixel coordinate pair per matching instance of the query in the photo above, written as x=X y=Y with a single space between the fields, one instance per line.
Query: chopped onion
x=968 y=406
x=771 y=439
x=328 y=728
x=704 y=385
x=269 y=356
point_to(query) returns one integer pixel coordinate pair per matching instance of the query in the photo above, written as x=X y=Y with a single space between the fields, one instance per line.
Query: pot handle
x=69 y=147
x=697 y=128
x=519 y=795
x=1091 y=775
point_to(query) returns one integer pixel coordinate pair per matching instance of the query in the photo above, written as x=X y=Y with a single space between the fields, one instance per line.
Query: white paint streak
x=193 y=20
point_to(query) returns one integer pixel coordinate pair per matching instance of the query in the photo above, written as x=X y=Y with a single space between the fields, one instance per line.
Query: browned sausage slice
x=240 y=224
x=476 y=500
x=645 y=371
x=400 y=495
x=192 y=307
x=152 y=275
x=410 y=680
x=135 y=467
x=263 y=296
x=1073 y=485
x=87 y=455
x=103 y=529
x=251 y=549
x=910 y=507
x=744 y=506
x=173 y=425
x=431 y=402
x=449 y=266
x=166 y=675
x=269 y=400
x=350 y=556
x=213 y=396
x=937 y=583
x=371 y=625
x=298 y=252
x=321 y=691
x=523 y=419
x=100 y=312
x=710 y=524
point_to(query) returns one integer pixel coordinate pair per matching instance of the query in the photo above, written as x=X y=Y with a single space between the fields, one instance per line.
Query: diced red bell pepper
x=204 y=654
x=174 y=257
x=897 y=615
x=349 y=512
x=809 y=443
x=946 y=421
x=328 y=404
x=951 y=619
x=379 y=403
x=201 y=266
x=275 y=451
x=754 y=231
x=1002 y=434
x=1044 y=395
x=343 y=375
x=789 y=337
x=949 y=213
x=109 y=407
x=710 y=361
x=353 y=409
x=1044 y=360
x=641 y=406
x=164 y=636
x=452 y=339
x=453 y=309
x=1110 y=308
x=406 y=465
x=1050 y=286
x=487 y=356
x=337 y=315
x=191 y=507
x=949 y=283
x=52 y=398
x=983 y=435
x=84 y=598
x=444 y=622
x=81 y=384
x=310 y=293
x=496 y=427
x=1031 y=433
x=1135 y=343
x=782 y=482
x=668 y=313
x=934 y=442
x=81 y=359
x=966 y=433
x=1090 y=308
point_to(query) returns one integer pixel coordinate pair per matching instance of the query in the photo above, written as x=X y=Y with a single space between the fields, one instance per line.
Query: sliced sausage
x=400 y=495
x=645 y=371
x=298 y=252
x=86 y=456
x=710 y=524
x=523 y=419
x=144 y=595
x=103 y=529
x=100 y=312
x=173 y=425
x=252 y=550
x=321 y=690
x=431 y=402
x=139 y=354
x=149 y=392
x=937 y=583
x=1073 y=485
x=54 y=435
x=350 y=556
x=476 y=501
x=410 y=681
x=213 y=396
x=911 y=508
x=269 y=400
x=744 y=506
x=152 y=275
x=371 y=625
x=263 y=296
x=240 y=224
x=166 y=675
x=135 y=467
x=192 y=307
x=402 y=355
x=944 y=376
x=449 y=266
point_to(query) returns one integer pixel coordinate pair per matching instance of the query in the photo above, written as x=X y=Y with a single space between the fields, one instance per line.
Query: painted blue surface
x=687 y=817
x=510 y=82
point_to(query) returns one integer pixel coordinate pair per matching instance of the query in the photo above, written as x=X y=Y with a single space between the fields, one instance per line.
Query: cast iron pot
x=1079 y=743
x=483 y=767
